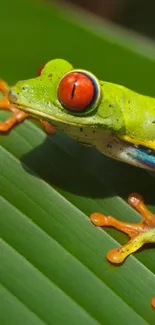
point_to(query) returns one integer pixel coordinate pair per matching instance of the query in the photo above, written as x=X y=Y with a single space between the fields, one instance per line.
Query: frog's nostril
x=12 y=96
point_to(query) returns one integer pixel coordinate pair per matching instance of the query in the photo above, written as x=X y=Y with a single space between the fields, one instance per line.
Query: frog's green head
x=68 y=97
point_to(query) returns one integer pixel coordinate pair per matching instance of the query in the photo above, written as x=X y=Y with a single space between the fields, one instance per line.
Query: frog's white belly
x=109 y=144
x=127 y=152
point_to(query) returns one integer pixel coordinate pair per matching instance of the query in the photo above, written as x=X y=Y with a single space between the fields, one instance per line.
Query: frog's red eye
x=40 y=69
x=79 y=90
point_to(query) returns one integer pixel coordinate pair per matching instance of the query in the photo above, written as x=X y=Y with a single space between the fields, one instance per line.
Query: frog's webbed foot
x=17 y=115
x=139 y=233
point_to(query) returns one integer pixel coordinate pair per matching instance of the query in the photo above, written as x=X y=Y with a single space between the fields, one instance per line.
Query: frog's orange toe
x=153 y=302
x=116 y=256
x=98 y=219
x=49 y=129
x=135 y=199
x=4 y=88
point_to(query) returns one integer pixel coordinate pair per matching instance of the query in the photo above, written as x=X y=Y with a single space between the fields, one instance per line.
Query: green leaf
x=53 y=268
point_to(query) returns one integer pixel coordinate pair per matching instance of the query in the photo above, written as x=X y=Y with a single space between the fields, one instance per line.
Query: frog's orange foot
x=49 y=129
x=17 y=116
x=4 y=88
x=153 y=302
x=140 y=233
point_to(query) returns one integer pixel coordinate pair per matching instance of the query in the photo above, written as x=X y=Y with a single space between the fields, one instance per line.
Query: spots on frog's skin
x=109 y=146
x=50 y=75
x=129 y=101
x=81 y=129
x=146 y=123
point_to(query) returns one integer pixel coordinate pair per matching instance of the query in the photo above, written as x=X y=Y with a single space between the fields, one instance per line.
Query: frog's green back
x=138 y=111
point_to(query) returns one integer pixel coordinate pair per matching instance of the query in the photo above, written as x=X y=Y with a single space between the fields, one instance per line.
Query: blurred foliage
x=136 y=15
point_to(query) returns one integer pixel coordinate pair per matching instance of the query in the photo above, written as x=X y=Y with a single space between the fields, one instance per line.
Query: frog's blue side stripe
x=142 y=155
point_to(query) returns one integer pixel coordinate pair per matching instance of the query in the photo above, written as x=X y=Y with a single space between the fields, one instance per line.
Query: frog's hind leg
x=140 y=233
x=18 y=116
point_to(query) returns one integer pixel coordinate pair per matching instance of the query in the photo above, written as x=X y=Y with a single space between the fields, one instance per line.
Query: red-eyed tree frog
x=117 y=121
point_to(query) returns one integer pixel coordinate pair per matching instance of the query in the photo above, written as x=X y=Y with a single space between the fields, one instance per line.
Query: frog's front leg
x=139 y=233
x=17 y=116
